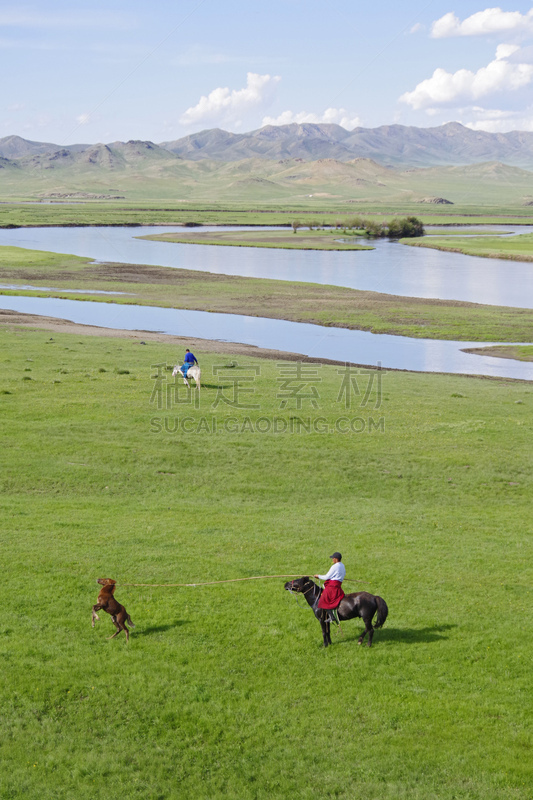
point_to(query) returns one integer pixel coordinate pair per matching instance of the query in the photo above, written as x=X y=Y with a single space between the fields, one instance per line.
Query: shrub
x=406 y=227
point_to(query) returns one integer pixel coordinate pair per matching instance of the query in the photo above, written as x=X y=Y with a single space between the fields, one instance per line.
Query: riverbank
x=52 y=274
x=512 y=248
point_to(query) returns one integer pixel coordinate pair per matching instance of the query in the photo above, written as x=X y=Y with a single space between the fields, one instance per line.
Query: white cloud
x=483 y=23
x=416 y=28
x=446 y=88
x=222 y=105
x=505 y=51
x=338 y=116
x=500 y=121
x=83 y=119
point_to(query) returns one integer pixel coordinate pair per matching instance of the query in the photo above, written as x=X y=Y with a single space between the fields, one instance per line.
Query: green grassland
x=80 y=213
x=225 y=691
x=516 y=248
x=292 y=300
x=461 y=233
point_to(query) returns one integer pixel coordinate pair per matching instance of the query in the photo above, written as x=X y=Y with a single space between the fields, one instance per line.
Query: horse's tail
x=383 y=612
x=131 y=621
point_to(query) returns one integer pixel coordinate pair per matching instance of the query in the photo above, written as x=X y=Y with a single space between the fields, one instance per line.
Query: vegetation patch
x=314 y=238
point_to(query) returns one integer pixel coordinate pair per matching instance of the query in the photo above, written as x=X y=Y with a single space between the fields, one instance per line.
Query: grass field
x=515 y=248
x=217 y=213
x=292 y=300
x=224 y=691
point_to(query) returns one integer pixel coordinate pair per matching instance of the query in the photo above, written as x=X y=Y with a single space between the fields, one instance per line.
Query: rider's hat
x=336 y=555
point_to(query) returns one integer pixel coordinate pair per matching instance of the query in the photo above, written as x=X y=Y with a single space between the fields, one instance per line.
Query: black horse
x=358 y=604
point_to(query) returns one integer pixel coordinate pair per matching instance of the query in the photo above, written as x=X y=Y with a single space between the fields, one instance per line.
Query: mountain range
x=390 y=145
x=291 y=164
x=393 y=145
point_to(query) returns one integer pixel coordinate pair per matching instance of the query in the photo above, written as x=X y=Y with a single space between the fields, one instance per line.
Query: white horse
x=194 y=373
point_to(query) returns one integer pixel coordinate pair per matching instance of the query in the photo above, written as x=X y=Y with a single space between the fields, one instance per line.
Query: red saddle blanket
x=332 y=595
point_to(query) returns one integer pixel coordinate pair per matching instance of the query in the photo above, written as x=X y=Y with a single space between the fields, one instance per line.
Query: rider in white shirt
x=337 y=572
x=333 y=593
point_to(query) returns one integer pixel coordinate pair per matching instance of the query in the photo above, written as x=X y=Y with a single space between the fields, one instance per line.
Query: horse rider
x=188 y=361
x=333 y=593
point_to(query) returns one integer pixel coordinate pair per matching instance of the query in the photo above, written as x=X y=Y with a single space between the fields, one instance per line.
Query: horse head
x=106 y=582
x=300 y=585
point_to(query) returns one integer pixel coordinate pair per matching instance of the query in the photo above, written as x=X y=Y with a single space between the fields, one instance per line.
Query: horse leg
x=328 y=632
x=368 y=629
x=121 y=618
x=117 y=626
x=325 y=637
x=319 y=614
x=121 y=627
x=95 y=616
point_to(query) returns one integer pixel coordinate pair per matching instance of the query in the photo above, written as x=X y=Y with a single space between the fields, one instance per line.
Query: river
x=359 y=347
x=392 y=268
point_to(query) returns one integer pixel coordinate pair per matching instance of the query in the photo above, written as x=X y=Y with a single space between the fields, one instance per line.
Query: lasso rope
x=214 y=583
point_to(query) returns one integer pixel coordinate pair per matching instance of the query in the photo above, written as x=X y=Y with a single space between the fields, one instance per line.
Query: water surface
x=392 y=268
x=359 y=347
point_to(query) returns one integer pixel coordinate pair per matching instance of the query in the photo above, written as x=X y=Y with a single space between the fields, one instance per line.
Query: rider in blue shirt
x=188 y=361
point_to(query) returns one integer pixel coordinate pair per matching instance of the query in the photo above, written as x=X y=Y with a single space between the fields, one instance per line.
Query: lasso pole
x=214 y=583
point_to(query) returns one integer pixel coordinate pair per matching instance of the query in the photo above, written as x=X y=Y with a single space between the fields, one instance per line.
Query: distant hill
x=450 y=144
x=17 y=147
x=391 y=145
x=309 y=141
x=117 y=155
x=138 y=170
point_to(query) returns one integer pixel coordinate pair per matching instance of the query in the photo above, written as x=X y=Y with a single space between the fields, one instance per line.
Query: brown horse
x=358 y=604
x=107 y=602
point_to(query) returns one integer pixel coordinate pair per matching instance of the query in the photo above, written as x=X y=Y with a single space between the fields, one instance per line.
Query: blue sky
x=118 y=70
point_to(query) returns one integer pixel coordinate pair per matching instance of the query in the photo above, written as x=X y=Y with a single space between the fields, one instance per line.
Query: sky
x=115 y=70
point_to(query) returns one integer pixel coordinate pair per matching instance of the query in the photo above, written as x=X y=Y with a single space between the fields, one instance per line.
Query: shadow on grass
x=435 y=633
x=161 y=628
